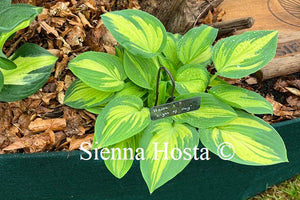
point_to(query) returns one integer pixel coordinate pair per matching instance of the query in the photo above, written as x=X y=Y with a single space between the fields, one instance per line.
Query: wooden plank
x=272 y=15
x=268 y=14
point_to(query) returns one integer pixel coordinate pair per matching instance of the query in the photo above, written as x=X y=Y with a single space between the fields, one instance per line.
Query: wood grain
x=270 y=15
x=260 y=11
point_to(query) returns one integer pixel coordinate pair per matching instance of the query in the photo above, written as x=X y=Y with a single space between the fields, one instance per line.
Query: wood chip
x=39 y=125
x=251 y=80
x=84 y=21
x=55 y=52
x=47 y=97
x=76 y=142
x=49 y=29
x=60 y=66
x=34 y=143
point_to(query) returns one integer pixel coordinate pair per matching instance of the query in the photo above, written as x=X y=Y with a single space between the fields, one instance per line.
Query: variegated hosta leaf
x=98 y=70
x=162 y=97
x=165 y=62
x=1 y=80
x=191 y=78
x=119 y=51
x=195 y=46
x=96 y=110
x=80 y=96
x=141 y=71
x=7 y=64
x=4 y=4
x=14 y=18
x=119 y=165
x=138 y=32
x=131 y=89
x=241 y=98
x=34 y=66
x=216 y=81
x=212 y=112
x=240 y=55
x=249 y=140
x=170 y=50
x=165 y=142
x=122 y=118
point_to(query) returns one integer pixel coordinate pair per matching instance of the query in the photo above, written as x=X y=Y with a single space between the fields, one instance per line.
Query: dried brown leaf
x=209 y=18
x=294 y=102
x=68 y=81
x=295 y=83
x=109 y=49
x=294 y=91
x=278 y=108
x=280 y=85
x=109 y=40
x=76 y=36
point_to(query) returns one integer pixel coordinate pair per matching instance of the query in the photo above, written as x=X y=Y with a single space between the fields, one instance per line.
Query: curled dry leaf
x=294 y=91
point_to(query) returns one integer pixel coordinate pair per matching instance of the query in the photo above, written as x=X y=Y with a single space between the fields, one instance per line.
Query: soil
x=67 y=28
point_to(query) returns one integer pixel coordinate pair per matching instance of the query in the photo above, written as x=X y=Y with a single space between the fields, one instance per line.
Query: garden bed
x=62 y=175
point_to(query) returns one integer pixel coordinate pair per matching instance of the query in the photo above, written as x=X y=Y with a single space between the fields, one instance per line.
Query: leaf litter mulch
x=67 y=28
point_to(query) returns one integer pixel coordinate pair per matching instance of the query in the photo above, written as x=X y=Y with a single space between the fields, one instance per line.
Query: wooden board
x=268 y=15
x=282 y=15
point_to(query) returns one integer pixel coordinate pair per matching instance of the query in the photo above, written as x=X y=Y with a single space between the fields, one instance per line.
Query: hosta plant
x=124 y=89
x=27 y=70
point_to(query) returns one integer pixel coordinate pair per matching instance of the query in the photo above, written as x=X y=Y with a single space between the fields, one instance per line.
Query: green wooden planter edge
x=63 y=176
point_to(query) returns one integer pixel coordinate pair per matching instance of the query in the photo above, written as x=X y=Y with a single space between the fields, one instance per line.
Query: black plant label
x=175 y=108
